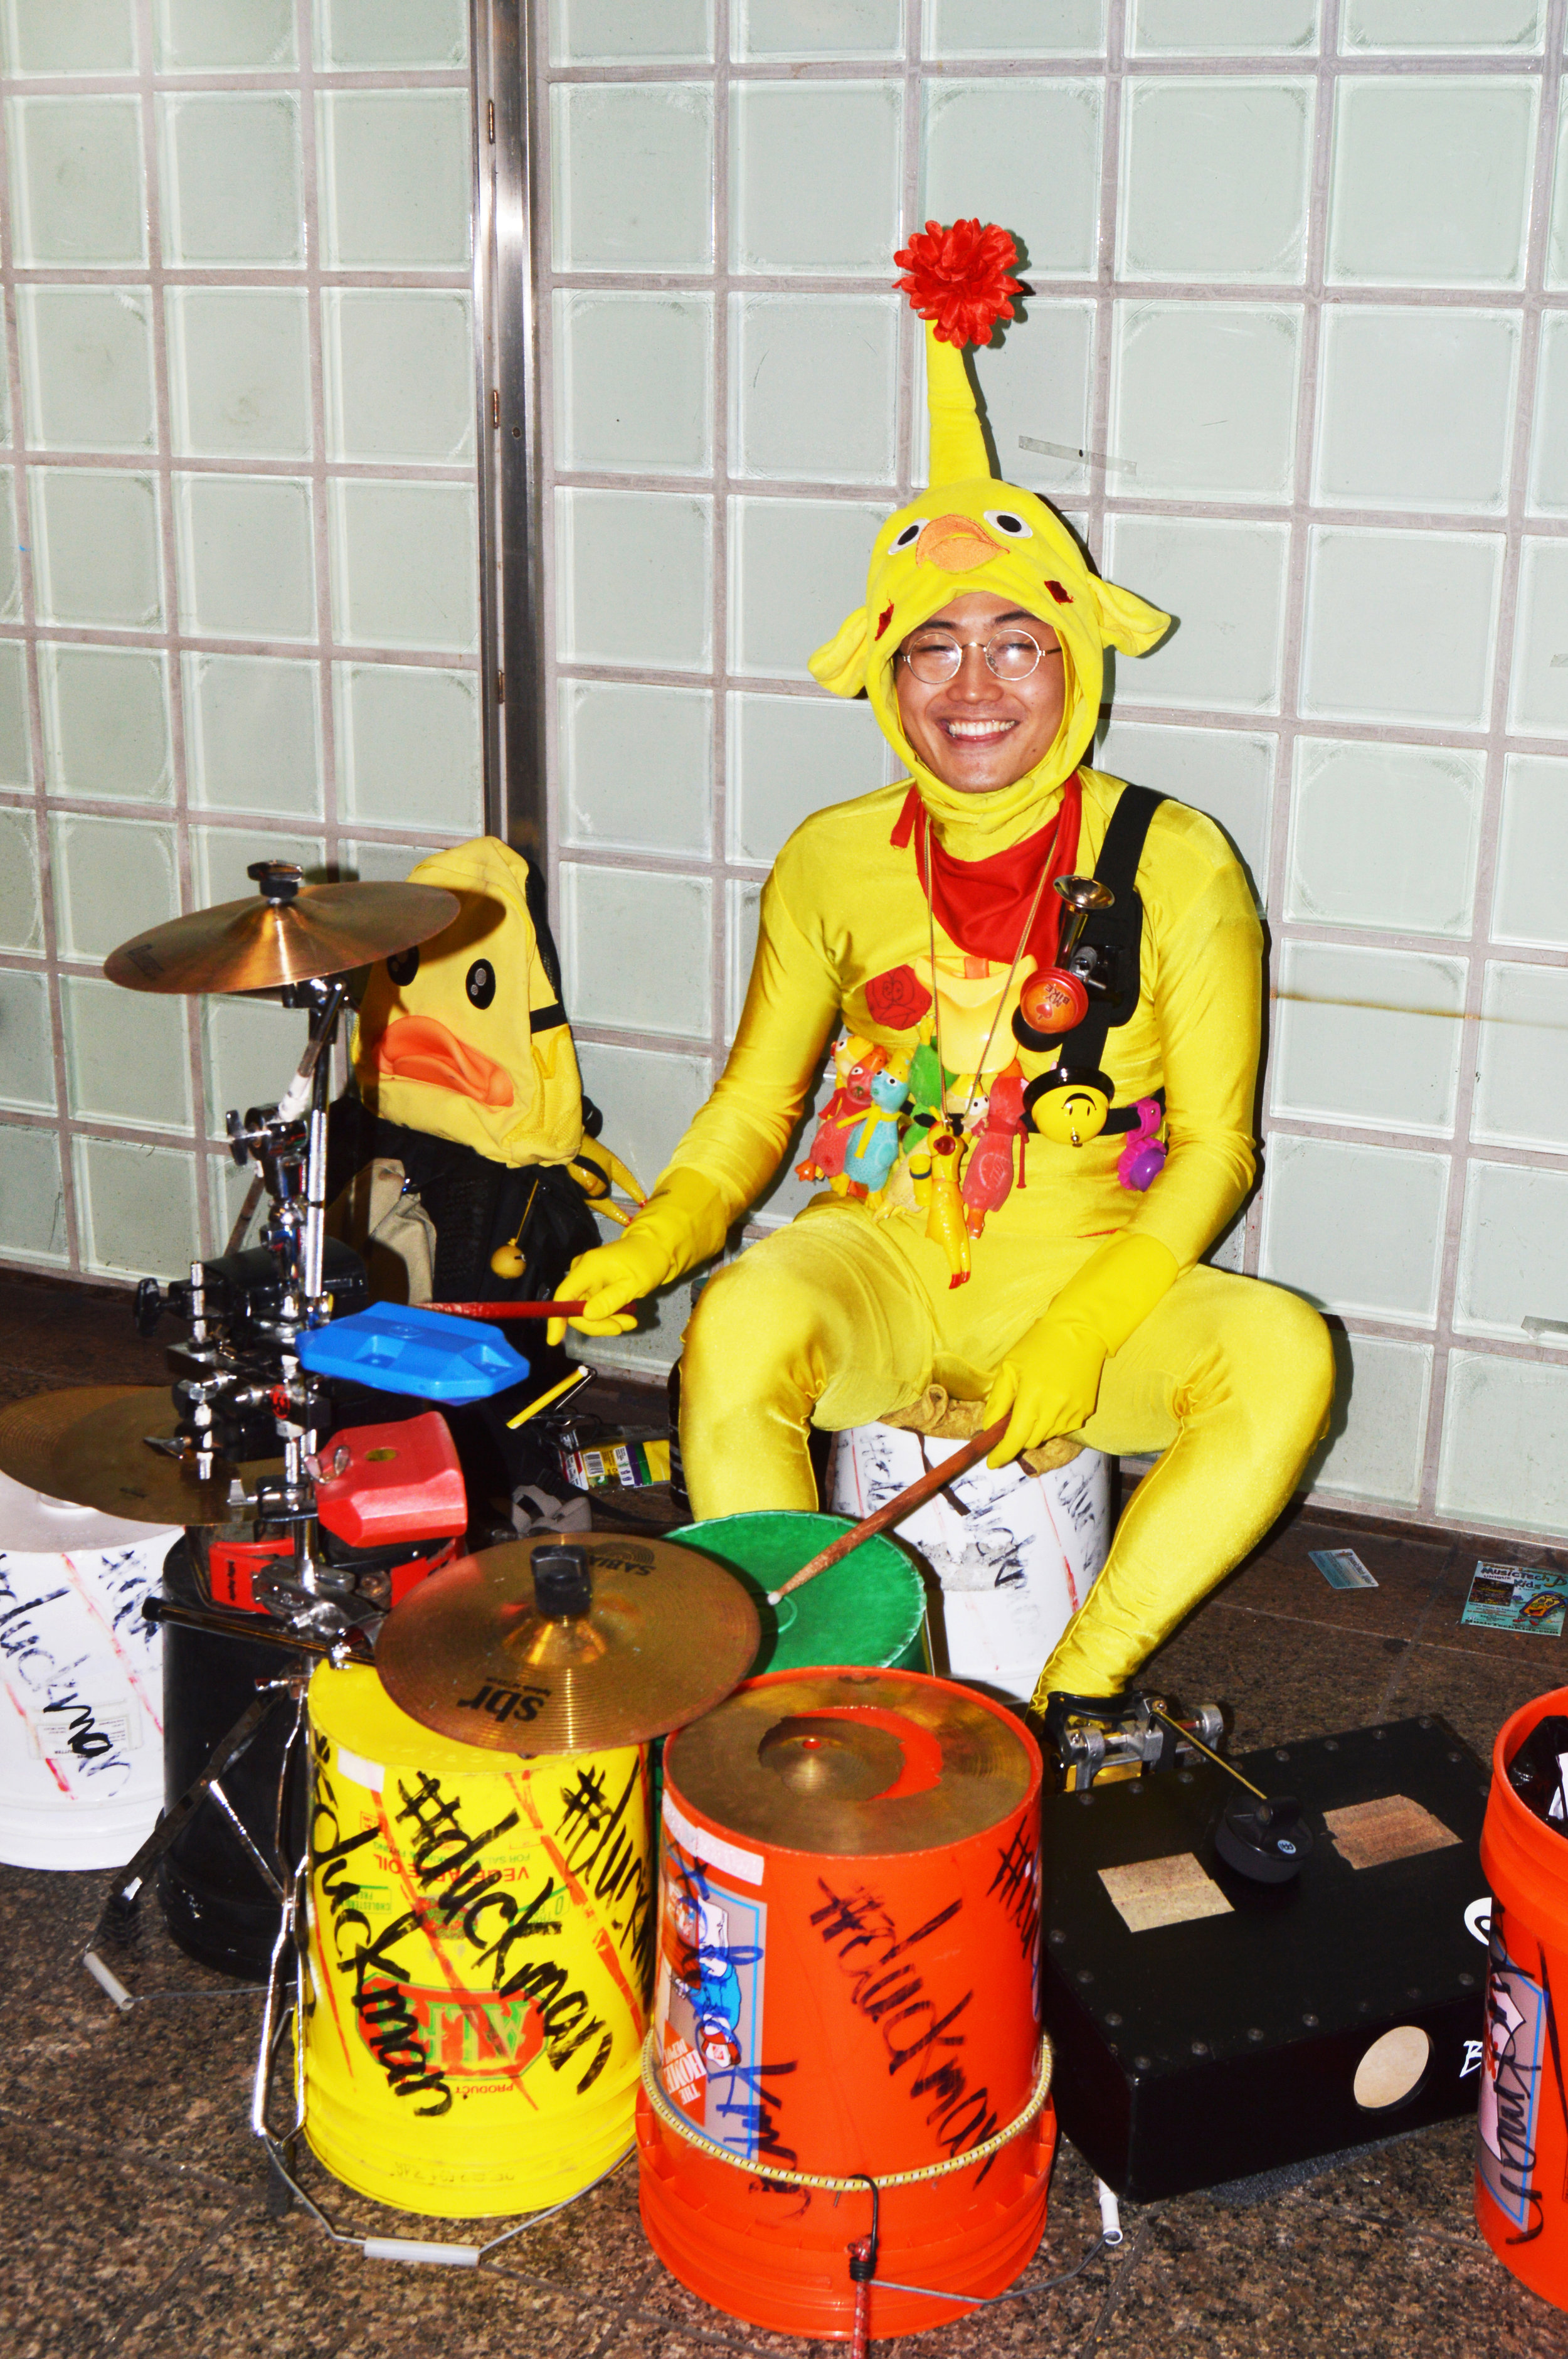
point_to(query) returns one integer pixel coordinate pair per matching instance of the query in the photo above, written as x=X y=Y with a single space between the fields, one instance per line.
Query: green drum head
x=868 y=1608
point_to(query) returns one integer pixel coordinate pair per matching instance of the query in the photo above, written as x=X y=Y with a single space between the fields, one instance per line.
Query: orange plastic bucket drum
x=846 y=1983
x=479 y=1961
x=1521 y=2124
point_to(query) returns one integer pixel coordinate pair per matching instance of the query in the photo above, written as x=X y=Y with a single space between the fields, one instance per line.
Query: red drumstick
x=902 y=1504
x=506 y=1309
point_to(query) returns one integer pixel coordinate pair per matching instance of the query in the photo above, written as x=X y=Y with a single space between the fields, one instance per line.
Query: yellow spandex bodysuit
x=852 y=1312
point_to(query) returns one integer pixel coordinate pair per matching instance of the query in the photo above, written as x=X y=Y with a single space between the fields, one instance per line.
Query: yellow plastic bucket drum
x=479 y=1960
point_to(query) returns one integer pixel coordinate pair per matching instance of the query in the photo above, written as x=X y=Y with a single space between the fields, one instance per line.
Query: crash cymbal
x=257 y=944
x=800 y=1760
x=90 y=1445
x=666 y=1632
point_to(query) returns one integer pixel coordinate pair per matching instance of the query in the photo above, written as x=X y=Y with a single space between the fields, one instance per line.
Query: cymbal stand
x=288 y=1142
x=121 y=1901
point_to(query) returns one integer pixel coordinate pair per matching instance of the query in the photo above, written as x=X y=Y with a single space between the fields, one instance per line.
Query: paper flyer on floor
x=1517 y=1597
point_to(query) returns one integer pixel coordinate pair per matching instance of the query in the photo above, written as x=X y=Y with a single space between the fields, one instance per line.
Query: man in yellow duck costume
x=1087 y=1310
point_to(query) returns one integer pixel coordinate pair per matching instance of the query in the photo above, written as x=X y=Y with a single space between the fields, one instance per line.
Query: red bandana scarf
x=983 y=905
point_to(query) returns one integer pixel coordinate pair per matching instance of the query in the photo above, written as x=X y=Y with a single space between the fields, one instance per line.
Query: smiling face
x=975 y=732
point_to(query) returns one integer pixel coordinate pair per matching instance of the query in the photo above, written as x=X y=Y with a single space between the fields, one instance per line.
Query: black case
x=1192 y=2054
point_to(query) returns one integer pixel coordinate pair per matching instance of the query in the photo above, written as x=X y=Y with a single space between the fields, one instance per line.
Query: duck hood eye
x=1008 y=522
x=909 y=536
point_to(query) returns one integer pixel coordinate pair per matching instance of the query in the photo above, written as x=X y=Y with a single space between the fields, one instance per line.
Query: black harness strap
x=1126 y=1118
x=1117 y=935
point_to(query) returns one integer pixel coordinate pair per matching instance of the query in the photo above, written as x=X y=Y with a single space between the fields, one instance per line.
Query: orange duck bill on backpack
x=421 y=1049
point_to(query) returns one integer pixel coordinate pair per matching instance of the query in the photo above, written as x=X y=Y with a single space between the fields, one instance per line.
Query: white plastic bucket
x=1016 y=1556
x=82 y=1682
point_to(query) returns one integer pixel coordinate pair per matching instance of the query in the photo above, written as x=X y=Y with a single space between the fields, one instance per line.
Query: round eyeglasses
x=934 y=656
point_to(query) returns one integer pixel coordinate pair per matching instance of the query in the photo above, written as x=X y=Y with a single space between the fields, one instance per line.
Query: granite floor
x=137 y=2219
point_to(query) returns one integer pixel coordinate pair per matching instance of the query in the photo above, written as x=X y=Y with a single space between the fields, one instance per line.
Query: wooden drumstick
x=902 y=1504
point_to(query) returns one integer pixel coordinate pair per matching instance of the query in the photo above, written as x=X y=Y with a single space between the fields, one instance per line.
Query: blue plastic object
x=399 y=1348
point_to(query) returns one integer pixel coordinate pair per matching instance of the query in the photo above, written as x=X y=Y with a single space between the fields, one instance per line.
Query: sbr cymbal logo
x=506 y=1703
x=625 y=1556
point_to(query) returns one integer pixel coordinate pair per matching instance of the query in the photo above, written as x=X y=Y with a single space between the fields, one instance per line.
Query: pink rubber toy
x=1143 y=1159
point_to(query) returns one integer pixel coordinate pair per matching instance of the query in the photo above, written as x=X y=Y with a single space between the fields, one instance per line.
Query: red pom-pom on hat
x=958 y=278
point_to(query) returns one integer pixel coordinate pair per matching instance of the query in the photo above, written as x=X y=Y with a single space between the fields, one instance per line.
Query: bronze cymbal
x=89 y=1444
x=800 y=1760
x=257 y=944
x=668 y=1633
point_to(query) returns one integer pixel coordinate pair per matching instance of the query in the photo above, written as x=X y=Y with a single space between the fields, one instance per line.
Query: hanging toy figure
x=1143 y=1159
x=1050 y=957
x=988 y=1170
x=929 y=1082
x=874 y=1143
x=945 y=1222
x=855 y=1062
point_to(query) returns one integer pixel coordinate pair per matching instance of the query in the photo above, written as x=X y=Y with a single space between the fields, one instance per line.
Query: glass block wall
x=238 y=563
x=1296 y=364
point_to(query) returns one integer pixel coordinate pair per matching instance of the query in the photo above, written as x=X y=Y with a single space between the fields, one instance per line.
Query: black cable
x=1020 y=2293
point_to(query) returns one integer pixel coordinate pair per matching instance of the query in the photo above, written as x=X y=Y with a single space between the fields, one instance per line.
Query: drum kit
x=205 y=1456
x=503 y=1689
x=523 y=1649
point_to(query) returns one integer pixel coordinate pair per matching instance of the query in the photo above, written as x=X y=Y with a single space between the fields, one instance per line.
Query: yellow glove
x=1049 y=1382
x=682 y=1222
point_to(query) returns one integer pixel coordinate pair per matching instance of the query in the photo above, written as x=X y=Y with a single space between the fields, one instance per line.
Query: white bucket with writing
x=1016 y=1552
x=80 y=1682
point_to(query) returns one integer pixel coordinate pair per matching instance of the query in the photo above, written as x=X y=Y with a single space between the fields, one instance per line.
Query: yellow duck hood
x=968 y=531
x=463 y=1037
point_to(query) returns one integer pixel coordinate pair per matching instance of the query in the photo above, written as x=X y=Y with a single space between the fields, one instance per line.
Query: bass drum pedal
x=1122 y=1736
x=1125 y=1735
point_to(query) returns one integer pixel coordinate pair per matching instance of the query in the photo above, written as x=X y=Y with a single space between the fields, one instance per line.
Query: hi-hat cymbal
x=852 y=1763
x=257 y=944
x=668 y=1632
x=90 y=1445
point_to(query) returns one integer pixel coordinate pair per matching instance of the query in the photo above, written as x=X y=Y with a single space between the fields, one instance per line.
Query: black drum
x=215 y=1901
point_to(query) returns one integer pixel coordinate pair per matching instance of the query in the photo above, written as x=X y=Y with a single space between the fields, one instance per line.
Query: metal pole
x=506 y=346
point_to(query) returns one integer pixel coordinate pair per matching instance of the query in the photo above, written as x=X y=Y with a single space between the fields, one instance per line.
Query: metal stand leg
x=121 y=1901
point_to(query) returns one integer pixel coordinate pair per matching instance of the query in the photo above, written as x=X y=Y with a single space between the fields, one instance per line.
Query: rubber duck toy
x=987 y=1168
x=874 y=1145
